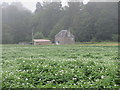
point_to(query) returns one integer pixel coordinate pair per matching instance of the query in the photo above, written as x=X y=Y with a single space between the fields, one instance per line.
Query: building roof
x=41 y=40
x=64 y=33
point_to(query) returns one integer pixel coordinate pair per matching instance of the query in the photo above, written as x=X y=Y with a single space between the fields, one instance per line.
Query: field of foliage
x=67 y=66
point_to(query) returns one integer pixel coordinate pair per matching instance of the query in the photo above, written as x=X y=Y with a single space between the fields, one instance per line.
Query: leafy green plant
x=60 y=67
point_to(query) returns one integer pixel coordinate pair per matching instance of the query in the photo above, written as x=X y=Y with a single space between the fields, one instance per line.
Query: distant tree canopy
x=38 y=35
x=16 y=23
x=90 y=22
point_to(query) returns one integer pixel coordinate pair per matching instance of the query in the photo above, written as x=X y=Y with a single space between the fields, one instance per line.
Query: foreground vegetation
x=75 y=66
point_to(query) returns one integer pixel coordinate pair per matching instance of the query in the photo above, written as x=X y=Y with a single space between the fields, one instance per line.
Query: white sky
x=31 y=4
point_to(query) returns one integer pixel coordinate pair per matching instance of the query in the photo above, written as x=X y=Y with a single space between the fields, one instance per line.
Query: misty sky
x=30 y=4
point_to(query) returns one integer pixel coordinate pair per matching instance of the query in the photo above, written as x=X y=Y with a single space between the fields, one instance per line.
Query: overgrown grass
x=99 y=43
x=65 y=66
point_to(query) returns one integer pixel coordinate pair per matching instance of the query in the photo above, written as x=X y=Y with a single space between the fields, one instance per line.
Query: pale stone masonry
x=64 y=37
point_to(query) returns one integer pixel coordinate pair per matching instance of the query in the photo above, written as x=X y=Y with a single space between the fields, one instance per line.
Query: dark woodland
x=91 y=22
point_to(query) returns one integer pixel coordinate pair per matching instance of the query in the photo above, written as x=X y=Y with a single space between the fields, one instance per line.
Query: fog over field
x=59 y=44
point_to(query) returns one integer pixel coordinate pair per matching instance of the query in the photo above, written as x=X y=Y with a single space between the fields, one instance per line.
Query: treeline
x=95 y=21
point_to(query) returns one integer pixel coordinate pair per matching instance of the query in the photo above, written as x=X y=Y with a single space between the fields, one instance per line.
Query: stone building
x=64 y=37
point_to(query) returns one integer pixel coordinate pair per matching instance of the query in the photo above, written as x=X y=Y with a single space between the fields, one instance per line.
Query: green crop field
x=67 y=66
